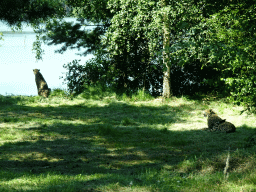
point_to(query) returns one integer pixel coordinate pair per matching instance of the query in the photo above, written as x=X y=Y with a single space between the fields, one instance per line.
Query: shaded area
x=119 y=141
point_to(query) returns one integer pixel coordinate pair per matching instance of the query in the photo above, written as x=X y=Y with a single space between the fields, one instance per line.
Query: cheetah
x=213 y=118
x=224 y=127
x=42 y=87
x=215 y=123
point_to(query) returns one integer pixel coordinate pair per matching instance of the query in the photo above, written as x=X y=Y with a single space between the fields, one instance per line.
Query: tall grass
x=97 y=93
x=140 y=95
x=105 y=143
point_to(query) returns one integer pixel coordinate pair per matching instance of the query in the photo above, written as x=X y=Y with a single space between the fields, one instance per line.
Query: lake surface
x=17 y=62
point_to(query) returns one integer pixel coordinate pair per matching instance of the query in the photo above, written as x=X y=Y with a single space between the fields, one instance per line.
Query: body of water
x=17 y=62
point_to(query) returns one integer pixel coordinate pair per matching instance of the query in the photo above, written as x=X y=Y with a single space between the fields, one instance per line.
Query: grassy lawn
x=59 y=144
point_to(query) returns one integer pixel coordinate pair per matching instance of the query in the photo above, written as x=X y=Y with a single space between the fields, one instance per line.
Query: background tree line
x=161 y=46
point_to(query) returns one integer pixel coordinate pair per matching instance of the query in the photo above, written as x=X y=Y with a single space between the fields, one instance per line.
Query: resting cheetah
x=215 y=123
x=224 y=127
x=213 y=118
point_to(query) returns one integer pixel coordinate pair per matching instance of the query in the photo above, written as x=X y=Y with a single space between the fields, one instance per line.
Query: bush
x=243 y=91
x=8 y=100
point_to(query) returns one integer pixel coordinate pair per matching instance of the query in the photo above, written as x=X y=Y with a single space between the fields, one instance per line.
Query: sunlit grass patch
x=51 y=181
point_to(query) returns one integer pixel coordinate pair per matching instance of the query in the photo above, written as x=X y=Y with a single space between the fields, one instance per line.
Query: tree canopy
x=141 y=44
x=226 y=38
x=17 y=11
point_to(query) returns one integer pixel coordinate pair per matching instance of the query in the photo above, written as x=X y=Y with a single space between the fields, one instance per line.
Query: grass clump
x=140 y=95
x=127 y=121
x=109 y=144
x=60 y=93
x=9 y=100
x=97 y=93
x=107 y=130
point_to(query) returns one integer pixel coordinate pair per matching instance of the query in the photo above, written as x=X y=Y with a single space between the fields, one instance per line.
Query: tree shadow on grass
x=119 y=142
x=112 y=113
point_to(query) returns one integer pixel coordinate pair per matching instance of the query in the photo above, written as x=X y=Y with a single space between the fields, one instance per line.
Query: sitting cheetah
x=215 y=123
x=42 y=87
x=213 y=118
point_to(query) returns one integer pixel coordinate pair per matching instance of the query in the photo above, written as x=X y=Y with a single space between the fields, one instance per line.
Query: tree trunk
x=167 y=91
x=167 y=84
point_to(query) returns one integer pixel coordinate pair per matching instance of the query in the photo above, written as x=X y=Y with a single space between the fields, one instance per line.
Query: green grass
x=135 y=144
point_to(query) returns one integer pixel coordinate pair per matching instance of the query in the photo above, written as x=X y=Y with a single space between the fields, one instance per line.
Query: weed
x=141 y=95
x=10 y=119
x=97 y=93
x=107 y=129
x=59 y=93
x=164 y=130
x=127 y=121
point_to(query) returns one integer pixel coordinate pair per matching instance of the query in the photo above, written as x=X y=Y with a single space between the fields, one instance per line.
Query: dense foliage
x=205 y=45
x=226 y=39
x=17 y=11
